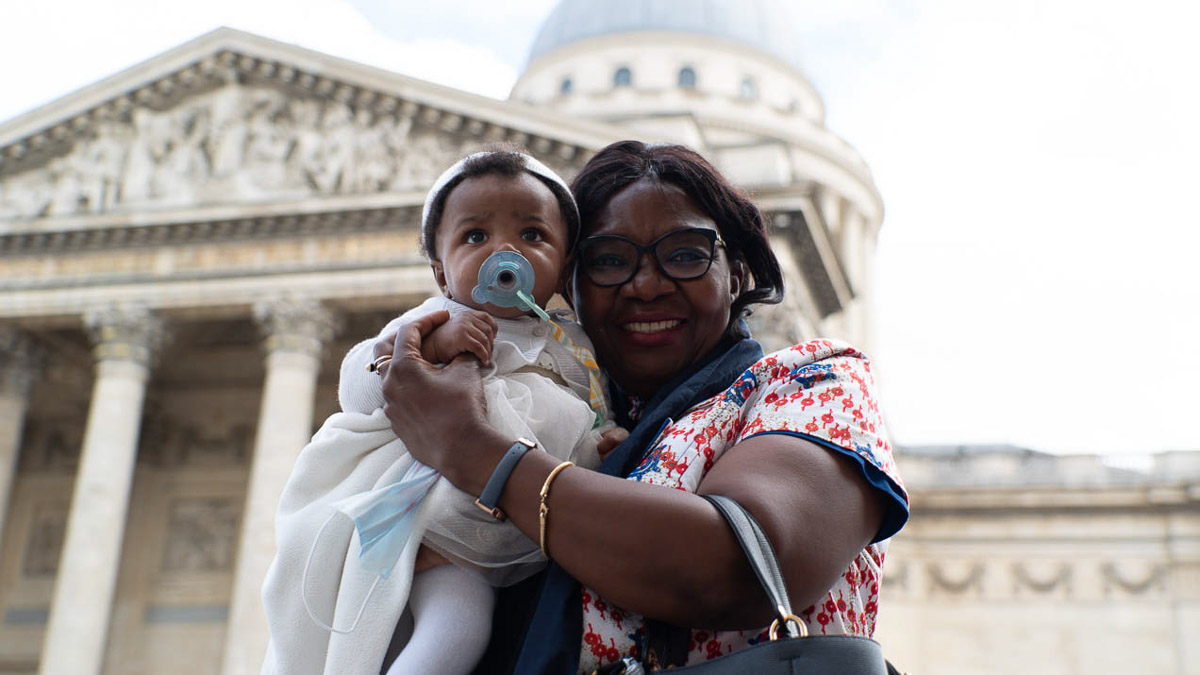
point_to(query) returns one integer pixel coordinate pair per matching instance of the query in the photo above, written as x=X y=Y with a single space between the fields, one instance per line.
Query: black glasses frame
x=714 y=239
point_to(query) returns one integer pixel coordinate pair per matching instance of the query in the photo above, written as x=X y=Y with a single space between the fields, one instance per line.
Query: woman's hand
x=439 y=413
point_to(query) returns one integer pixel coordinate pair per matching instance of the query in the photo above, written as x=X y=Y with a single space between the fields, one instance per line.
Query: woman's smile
x=657 y=333
x=651 y=327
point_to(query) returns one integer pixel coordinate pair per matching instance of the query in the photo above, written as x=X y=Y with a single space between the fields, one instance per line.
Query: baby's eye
x=532 y=234
x=475 y=237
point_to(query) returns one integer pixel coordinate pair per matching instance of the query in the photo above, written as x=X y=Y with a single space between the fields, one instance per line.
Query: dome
x=760 y=24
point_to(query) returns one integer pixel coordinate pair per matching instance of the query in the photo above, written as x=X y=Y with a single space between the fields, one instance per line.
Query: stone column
x=18 y=360
x=125 y=339
x=295 y=332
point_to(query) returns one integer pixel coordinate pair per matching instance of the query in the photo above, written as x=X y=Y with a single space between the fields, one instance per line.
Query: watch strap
x=490 y=497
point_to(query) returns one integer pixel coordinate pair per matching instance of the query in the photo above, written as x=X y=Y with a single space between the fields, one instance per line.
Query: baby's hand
x=470 y=332
x=609 y=440
x=428 y=559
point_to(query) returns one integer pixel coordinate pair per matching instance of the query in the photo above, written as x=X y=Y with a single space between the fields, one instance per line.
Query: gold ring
x=374 y=366
x=773 y=631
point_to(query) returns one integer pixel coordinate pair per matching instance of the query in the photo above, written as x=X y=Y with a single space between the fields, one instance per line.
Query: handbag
x=795 y=652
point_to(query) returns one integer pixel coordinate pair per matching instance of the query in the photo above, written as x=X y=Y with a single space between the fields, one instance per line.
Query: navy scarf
x=538 y=626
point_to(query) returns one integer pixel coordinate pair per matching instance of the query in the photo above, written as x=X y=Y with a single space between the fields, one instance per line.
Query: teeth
x=651 y=326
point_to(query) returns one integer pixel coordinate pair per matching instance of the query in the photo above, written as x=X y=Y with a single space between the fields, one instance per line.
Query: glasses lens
x=686 y=254
x=607 y=262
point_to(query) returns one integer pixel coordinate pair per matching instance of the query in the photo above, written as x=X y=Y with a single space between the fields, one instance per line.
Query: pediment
x=233 y=118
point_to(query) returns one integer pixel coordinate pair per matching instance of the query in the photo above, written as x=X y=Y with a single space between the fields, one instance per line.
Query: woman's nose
x=648 y=281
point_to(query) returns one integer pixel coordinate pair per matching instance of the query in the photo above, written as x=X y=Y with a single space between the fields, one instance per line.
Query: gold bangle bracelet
x=544 y=506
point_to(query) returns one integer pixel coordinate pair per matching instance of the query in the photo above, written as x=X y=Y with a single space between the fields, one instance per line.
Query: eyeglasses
x=609 y=260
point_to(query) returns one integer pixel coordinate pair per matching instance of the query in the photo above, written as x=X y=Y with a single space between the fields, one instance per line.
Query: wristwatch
x=490 y=497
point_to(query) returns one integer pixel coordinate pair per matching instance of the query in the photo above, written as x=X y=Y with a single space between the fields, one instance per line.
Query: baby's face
x=491 y=213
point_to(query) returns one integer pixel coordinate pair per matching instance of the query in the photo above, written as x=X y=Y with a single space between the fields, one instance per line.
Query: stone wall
x=1021 y=562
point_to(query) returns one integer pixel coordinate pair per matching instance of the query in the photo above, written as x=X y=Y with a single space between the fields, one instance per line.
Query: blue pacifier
x=506 y=280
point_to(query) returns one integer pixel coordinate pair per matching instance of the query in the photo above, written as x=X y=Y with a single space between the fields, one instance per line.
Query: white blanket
x=356 y=452
x=352 y=453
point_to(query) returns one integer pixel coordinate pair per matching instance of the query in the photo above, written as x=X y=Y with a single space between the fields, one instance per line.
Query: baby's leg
x=452 y=611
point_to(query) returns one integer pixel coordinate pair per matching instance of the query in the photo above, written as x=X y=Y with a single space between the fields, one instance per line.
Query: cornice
x=932 y=501
x=172 y=232
x=817 y=141
x=816 y=257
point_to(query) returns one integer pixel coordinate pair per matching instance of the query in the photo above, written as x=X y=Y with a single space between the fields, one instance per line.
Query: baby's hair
x=500 y=161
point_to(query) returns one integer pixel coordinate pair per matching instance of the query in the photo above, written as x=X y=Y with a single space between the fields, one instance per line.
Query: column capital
x=20 y=358
x=125 y=333
x=295 y=325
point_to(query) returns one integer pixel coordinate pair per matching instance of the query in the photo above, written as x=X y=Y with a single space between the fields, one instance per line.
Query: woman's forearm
x=660 y=552
x=669 y=555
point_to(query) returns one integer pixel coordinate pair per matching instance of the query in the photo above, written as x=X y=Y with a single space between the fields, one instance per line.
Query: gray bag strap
x=761 y=554
x=667 y=646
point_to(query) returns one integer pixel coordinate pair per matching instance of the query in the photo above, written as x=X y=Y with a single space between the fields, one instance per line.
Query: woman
x=671 y=256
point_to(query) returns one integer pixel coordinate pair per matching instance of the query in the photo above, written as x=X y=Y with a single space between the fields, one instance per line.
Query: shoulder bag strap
x=666 y=640
x=667 y=645
x=760 y=553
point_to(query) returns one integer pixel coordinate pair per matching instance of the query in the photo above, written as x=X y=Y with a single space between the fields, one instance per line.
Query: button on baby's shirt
x=539 y=331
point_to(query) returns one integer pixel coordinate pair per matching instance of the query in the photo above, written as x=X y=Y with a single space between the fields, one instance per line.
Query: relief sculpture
x=237 y=143
x=956 y=577
x=43 y=546
x=201 y=535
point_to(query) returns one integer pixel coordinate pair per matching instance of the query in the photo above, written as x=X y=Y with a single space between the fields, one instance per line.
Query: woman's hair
x=738 y=220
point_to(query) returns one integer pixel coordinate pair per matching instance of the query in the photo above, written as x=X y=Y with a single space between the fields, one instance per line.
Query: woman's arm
x=661 y=552
x=669 y=555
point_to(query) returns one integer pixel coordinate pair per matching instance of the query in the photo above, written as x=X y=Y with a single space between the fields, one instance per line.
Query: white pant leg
x=452 y=614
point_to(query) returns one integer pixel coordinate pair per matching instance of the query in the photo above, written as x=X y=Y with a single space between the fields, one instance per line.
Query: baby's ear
x=439 y=275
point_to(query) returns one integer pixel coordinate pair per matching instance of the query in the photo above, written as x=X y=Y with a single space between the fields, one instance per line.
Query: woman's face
x=652 y=327
x=491 y=213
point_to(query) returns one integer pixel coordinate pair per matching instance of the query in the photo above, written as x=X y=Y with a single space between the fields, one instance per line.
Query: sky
x=1037 y=280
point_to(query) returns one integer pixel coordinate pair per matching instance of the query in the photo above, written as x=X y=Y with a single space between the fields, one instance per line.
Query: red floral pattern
x=822 y=389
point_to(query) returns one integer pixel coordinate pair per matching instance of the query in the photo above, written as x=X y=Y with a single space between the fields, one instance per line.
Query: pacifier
x=506 y=280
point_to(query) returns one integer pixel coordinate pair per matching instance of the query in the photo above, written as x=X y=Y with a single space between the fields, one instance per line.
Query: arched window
x=687 y=78
x=749 y=91
x=565 y=86
x=623 y=77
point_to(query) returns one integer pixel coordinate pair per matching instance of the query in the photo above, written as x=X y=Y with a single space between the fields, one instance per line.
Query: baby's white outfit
x=535 y=388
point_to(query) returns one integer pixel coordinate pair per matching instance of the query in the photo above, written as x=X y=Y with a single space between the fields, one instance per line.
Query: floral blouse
x=822 y=391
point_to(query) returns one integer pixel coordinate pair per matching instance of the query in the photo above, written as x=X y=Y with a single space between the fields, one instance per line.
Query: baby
x=498 y=228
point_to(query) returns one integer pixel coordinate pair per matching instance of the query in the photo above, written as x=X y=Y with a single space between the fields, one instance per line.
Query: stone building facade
x=188 y=247
x=1021 y=562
